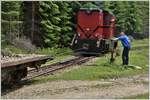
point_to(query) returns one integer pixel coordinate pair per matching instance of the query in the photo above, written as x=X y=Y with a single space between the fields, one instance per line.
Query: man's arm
x=120 y=37
x=114 y=38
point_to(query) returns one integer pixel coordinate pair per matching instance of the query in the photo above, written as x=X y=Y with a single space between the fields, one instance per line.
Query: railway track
x=11 y=82
x=49 y=69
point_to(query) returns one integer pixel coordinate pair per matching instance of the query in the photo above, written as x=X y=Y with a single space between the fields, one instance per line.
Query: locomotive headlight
x=96 y=35
x=112 y=20
x=78 y=34
x=87 y=29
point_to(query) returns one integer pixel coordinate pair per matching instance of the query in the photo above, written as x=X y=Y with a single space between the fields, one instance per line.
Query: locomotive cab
x=95 y=28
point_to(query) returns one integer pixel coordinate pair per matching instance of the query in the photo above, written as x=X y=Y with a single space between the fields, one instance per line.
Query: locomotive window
x=107 y=19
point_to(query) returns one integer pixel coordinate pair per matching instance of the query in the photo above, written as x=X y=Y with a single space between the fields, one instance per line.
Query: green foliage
x=9 y=6
x=10 y=14
x=56 y=23
x=89 y=5
x=10 y=10
x=58 y=18
x=129 y=15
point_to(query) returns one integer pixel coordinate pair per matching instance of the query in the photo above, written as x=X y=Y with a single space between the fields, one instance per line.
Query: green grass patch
x=55 y=51
x=12 y=49
x=102 y=69
x=140 y=96
x=59 y=59
x=140 y=42
x=59 y=54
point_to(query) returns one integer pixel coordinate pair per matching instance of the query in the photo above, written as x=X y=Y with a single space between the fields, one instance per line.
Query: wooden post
x=112 y=56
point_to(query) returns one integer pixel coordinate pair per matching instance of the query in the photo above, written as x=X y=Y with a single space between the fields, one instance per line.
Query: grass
x=102 y=69
x=55 y=51
x=59 y=59
x=59 y=54
x=140 y=96
x=142 y=42
x=14 y=50
x=47 y=51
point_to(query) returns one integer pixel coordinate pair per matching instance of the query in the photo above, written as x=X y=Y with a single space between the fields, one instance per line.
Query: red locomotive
x=95 y=28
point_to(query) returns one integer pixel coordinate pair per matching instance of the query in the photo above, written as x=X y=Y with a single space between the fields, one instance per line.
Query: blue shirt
x=124 y=40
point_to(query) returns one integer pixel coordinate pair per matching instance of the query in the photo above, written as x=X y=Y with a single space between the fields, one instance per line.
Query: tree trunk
x=32 y=21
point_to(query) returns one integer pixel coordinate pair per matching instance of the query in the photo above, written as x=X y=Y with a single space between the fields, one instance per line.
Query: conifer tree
x=10 y=19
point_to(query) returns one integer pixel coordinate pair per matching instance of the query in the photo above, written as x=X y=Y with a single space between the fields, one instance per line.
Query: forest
x=53 y=24
x=70 y=50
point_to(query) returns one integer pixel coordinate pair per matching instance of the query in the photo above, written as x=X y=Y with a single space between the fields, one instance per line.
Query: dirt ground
x=110 y=88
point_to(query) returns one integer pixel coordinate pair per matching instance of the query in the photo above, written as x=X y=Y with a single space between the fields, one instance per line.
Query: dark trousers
x=125 y=55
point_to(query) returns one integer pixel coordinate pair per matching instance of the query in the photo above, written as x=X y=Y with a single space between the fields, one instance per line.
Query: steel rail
x=49 y=69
